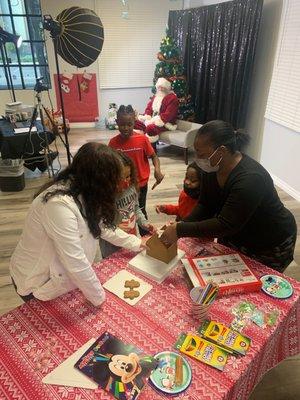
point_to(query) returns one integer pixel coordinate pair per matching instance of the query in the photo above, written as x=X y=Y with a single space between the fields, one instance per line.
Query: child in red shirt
x=138 y=148
x=188 y=197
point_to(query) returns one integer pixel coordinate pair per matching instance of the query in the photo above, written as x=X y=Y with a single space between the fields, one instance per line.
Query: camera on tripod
x=40 y=86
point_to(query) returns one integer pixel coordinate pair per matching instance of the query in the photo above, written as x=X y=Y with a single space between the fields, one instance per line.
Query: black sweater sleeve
x=244 y=196
x=198 y=213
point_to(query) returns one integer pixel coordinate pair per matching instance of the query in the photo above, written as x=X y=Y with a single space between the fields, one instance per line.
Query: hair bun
x=129 y=109
x=242 y=138
x=125 y=110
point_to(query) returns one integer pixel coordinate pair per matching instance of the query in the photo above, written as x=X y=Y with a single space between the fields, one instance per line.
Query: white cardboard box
x=152 y=268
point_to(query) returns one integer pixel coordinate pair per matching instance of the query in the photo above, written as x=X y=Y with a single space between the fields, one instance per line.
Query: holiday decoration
x=110 y=120
x=65 y=82
x=170 y=67
x=85 y=82
x=79 y=93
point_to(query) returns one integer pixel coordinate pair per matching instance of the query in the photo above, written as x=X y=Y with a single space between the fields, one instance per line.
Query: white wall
x=280 y=156
x=137 y=97
x=281 y=145
x=262 y=74
x=126 y=76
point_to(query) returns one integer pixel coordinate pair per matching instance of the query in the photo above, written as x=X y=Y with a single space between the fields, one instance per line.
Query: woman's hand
x=169 y=235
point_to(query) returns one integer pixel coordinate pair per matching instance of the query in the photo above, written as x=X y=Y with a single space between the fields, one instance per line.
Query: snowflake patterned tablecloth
x=61 y=326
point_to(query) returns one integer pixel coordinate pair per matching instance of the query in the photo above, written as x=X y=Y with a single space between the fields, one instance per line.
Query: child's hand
x=150 y=228
x=158 y=177
x=160 y=208
x=143 y=245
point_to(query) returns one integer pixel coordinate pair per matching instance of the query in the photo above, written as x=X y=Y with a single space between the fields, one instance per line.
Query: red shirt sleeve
x=148 y=148
x=171 y=209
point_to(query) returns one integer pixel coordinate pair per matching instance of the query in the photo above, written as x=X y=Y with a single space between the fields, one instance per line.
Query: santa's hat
x=162 y=82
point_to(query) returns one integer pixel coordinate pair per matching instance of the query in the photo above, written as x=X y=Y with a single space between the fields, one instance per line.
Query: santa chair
x=183 y=136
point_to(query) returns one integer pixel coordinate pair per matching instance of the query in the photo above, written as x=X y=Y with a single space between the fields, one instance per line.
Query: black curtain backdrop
x=218 y=47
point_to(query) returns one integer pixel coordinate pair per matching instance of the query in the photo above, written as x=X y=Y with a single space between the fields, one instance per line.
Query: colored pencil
x=204 y=293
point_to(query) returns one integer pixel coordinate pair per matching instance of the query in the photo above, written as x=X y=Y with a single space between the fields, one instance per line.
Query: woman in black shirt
x=238 y=203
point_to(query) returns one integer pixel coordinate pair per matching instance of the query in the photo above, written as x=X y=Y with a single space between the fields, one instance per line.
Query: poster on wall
x=79 y=96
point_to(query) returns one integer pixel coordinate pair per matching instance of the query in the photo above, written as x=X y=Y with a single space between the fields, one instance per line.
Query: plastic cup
x=200 y=311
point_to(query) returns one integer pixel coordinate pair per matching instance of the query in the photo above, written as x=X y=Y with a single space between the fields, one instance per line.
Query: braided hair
x=124 y=110
x=222 y=133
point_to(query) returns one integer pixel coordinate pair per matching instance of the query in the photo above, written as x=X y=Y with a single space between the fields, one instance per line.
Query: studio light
x=78 y=37
x=7 y=37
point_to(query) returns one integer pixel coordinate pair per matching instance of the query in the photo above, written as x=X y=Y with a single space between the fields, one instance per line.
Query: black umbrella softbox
x=81 y=36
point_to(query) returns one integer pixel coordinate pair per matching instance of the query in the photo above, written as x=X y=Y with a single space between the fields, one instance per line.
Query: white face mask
x=205 y=165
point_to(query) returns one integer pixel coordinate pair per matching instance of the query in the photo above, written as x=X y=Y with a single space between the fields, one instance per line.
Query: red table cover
x=154 y=324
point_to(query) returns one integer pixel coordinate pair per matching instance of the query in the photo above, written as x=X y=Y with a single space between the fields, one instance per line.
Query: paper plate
x=163 y=377
x=276 y=286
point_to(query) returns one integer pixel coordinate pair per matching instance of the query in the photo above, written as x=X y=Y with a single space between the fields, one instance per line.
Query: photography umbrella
x=78 y=37
x=81 y=38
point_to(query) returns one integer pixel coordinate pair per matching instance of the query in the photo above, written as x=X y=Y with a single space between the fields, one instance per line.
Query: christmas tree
x=170 y=67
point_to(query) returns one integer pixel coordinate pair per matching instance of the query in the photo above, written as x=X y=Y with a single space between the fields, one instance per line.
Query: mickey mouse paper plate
x=276 y=287
x=173 y=373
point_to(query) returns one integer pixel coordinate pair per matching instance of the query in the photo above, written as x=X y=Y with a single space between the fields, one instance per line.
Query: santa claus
x=161 y=111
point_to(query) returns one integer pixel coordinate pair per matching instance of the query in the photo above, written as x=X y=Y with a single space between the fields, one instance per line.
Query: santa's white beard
x=157 y=102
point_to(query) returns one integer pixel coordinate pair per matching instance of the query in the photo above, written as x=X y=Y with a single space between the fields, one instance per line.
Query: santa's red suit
x=161 y=111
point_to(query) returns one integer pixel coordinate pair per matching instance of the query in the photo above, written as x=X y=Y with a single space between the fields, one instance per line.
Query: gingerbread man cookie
x=132 y=284
x=131 y=294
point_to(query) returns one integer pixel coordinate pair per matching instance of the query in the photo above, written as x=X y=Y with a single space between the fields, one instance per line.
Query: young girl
x=139 y=149
x=188 y=197
x=129 y=213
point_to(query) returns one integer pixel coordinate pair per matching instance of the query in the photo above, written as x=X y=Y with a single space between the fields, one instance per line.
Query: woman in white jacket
x=63 y=226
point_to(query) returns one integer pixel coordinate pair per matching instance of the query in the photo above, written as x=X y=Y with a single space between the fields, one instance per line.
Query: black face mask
x=193 y=193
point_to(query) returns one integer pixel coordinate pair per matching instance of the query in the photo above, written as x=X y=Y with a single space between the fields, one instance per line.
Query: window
x=283 y=104
x=29 y=61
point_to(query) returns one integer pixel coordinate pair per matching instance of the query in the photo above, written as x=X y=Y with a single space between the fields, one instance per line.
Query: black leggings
x=142 y=204
x=24 y=298
x=142 y=199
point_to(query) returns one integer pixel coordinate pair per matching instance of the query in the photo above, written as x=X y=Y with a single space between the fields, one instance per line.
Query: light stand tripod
x=7 y=72
x=38 y=111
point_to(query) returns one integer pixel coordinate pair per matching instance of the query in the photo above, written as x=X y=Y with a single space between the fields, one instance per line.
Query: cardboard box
x=158 y=250
x=152 y=268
